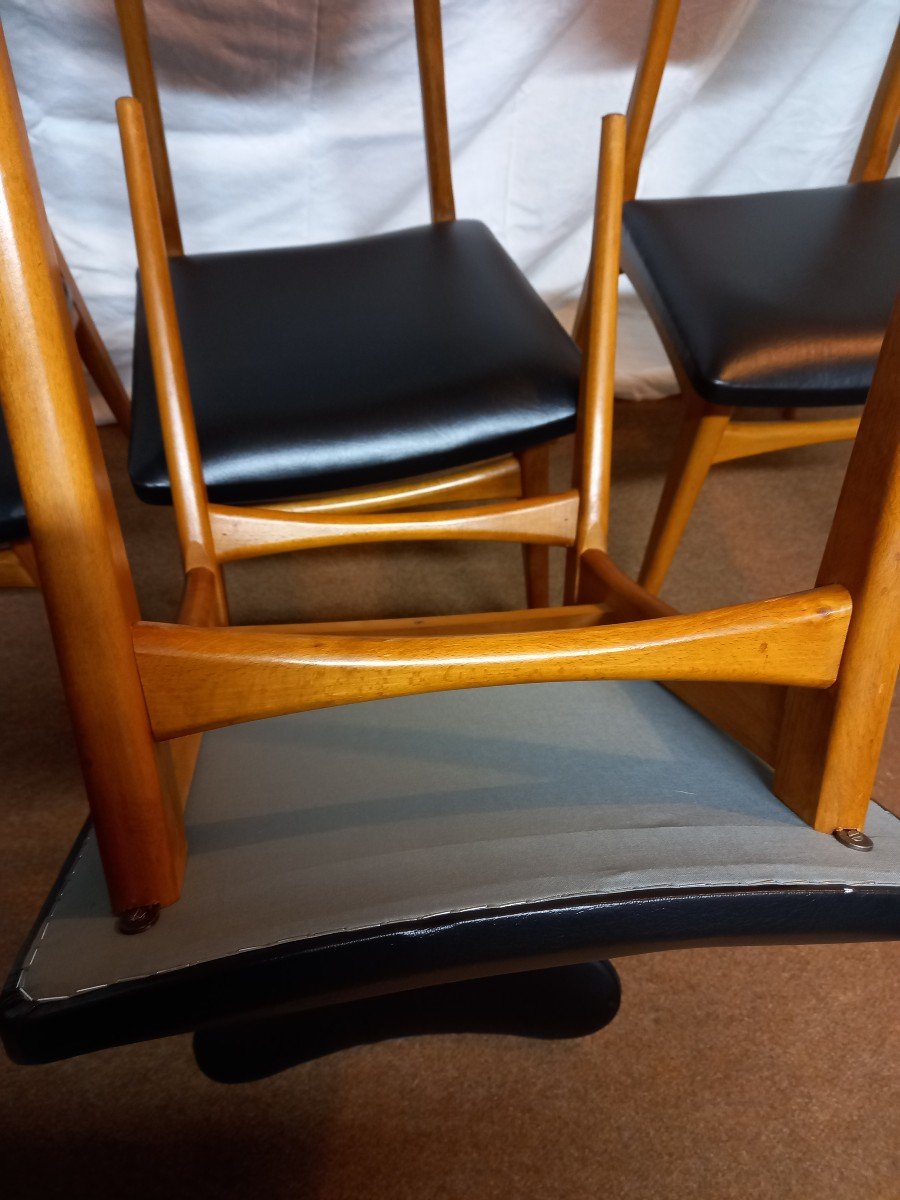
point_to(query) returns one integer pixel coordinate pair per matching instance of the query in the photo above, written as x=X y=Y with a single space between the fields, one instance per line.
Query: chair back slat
x=430 y=45
x=881 y=134
x=641 y=106
x=830 y=741
x=136 y=41
x=645 y=88
x=88 y=591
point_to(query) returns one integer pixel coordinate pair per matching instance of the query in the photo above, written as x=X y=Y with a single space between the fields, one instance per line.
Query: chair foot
x=854 y=839
x=558 y=1002
x=136 y=920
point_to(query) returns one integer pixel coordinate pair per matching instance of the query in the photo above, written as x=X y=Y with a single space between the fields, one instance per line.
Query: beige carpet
x=745 y=1073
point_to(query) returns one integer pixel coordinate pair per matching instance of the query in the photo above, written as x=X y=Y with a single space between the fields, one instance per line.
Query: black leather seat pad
x=771 y=299
x=13 y=526
x=355 y=363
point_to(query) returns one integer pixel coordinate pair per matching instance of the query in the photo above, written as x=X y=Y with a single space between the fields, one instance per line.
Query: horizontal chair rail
x=523 y=620
x=742 y=439
x=499 y=479
x=251 y=532
x=199 y=679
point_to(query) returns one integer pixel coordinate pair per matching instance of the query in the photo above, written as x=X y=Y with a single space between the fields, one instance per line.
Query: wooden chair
x=774 y=300
x=17 y=563
x=422 y=356
x=459 y=828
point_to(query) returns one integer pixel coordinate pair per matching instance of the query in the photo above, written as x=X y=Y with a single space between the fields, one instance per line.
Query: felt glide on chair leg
x=559 y=1002
x=138 y=920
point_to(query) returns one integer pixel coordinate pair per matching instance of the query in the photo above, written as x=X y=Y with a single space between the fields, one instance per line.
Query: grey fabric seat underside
x=396 y=811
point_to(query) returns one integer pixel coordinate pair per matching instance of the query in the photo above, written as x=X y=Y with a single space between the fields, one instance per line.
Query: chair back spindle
x=645 y=89
x=641 y=106
x=136 y=41
x=881 y=135
x=430 y=46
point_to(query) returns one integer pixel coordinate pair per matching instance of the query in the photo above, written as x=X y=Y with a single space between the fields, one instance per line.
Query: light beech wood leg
x=534 y=465
x=695 y=451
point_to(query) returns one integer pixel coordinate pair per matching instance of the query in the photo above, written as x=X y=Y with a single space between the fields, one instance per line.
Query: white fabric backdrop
x=293 y=121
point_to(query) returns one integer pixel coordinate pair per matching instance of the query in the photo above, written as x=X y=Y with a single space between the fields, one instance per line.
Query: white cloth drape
x=293 y=121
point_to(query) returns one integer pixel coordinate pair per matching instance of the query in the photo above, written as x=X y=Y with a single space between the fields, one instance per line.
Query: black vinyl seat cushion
x=13 y=525
x=355 y=363
x=780 y=298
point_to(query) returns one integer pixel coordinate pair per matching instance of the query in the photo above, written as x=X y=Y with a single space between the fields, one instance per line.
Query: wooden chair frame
x=709 y=434
x=803 y=680
x=517 y=484
x=18 y=568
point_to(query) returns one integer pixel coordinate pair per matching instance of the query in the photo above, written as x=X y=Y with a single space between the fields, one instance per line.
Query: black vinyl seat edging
x=338 y=968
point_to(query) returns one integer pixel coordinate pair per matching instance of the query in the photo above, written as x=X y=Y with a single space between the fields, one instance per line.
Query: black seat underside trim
x=340 y=968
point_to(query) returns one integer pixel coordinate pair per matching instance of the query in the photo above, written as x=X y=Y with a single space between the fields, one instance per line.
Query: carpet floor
x=746 y=1073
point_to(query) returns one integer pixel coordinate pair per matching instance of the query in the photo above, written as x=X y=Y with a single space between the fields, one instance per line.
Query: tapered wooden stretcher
x=390 y=828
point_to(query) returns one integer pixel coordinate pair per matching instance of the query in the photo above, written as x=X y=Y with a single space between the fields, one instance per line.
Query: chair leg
x=534 y=466
x=695 y=450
